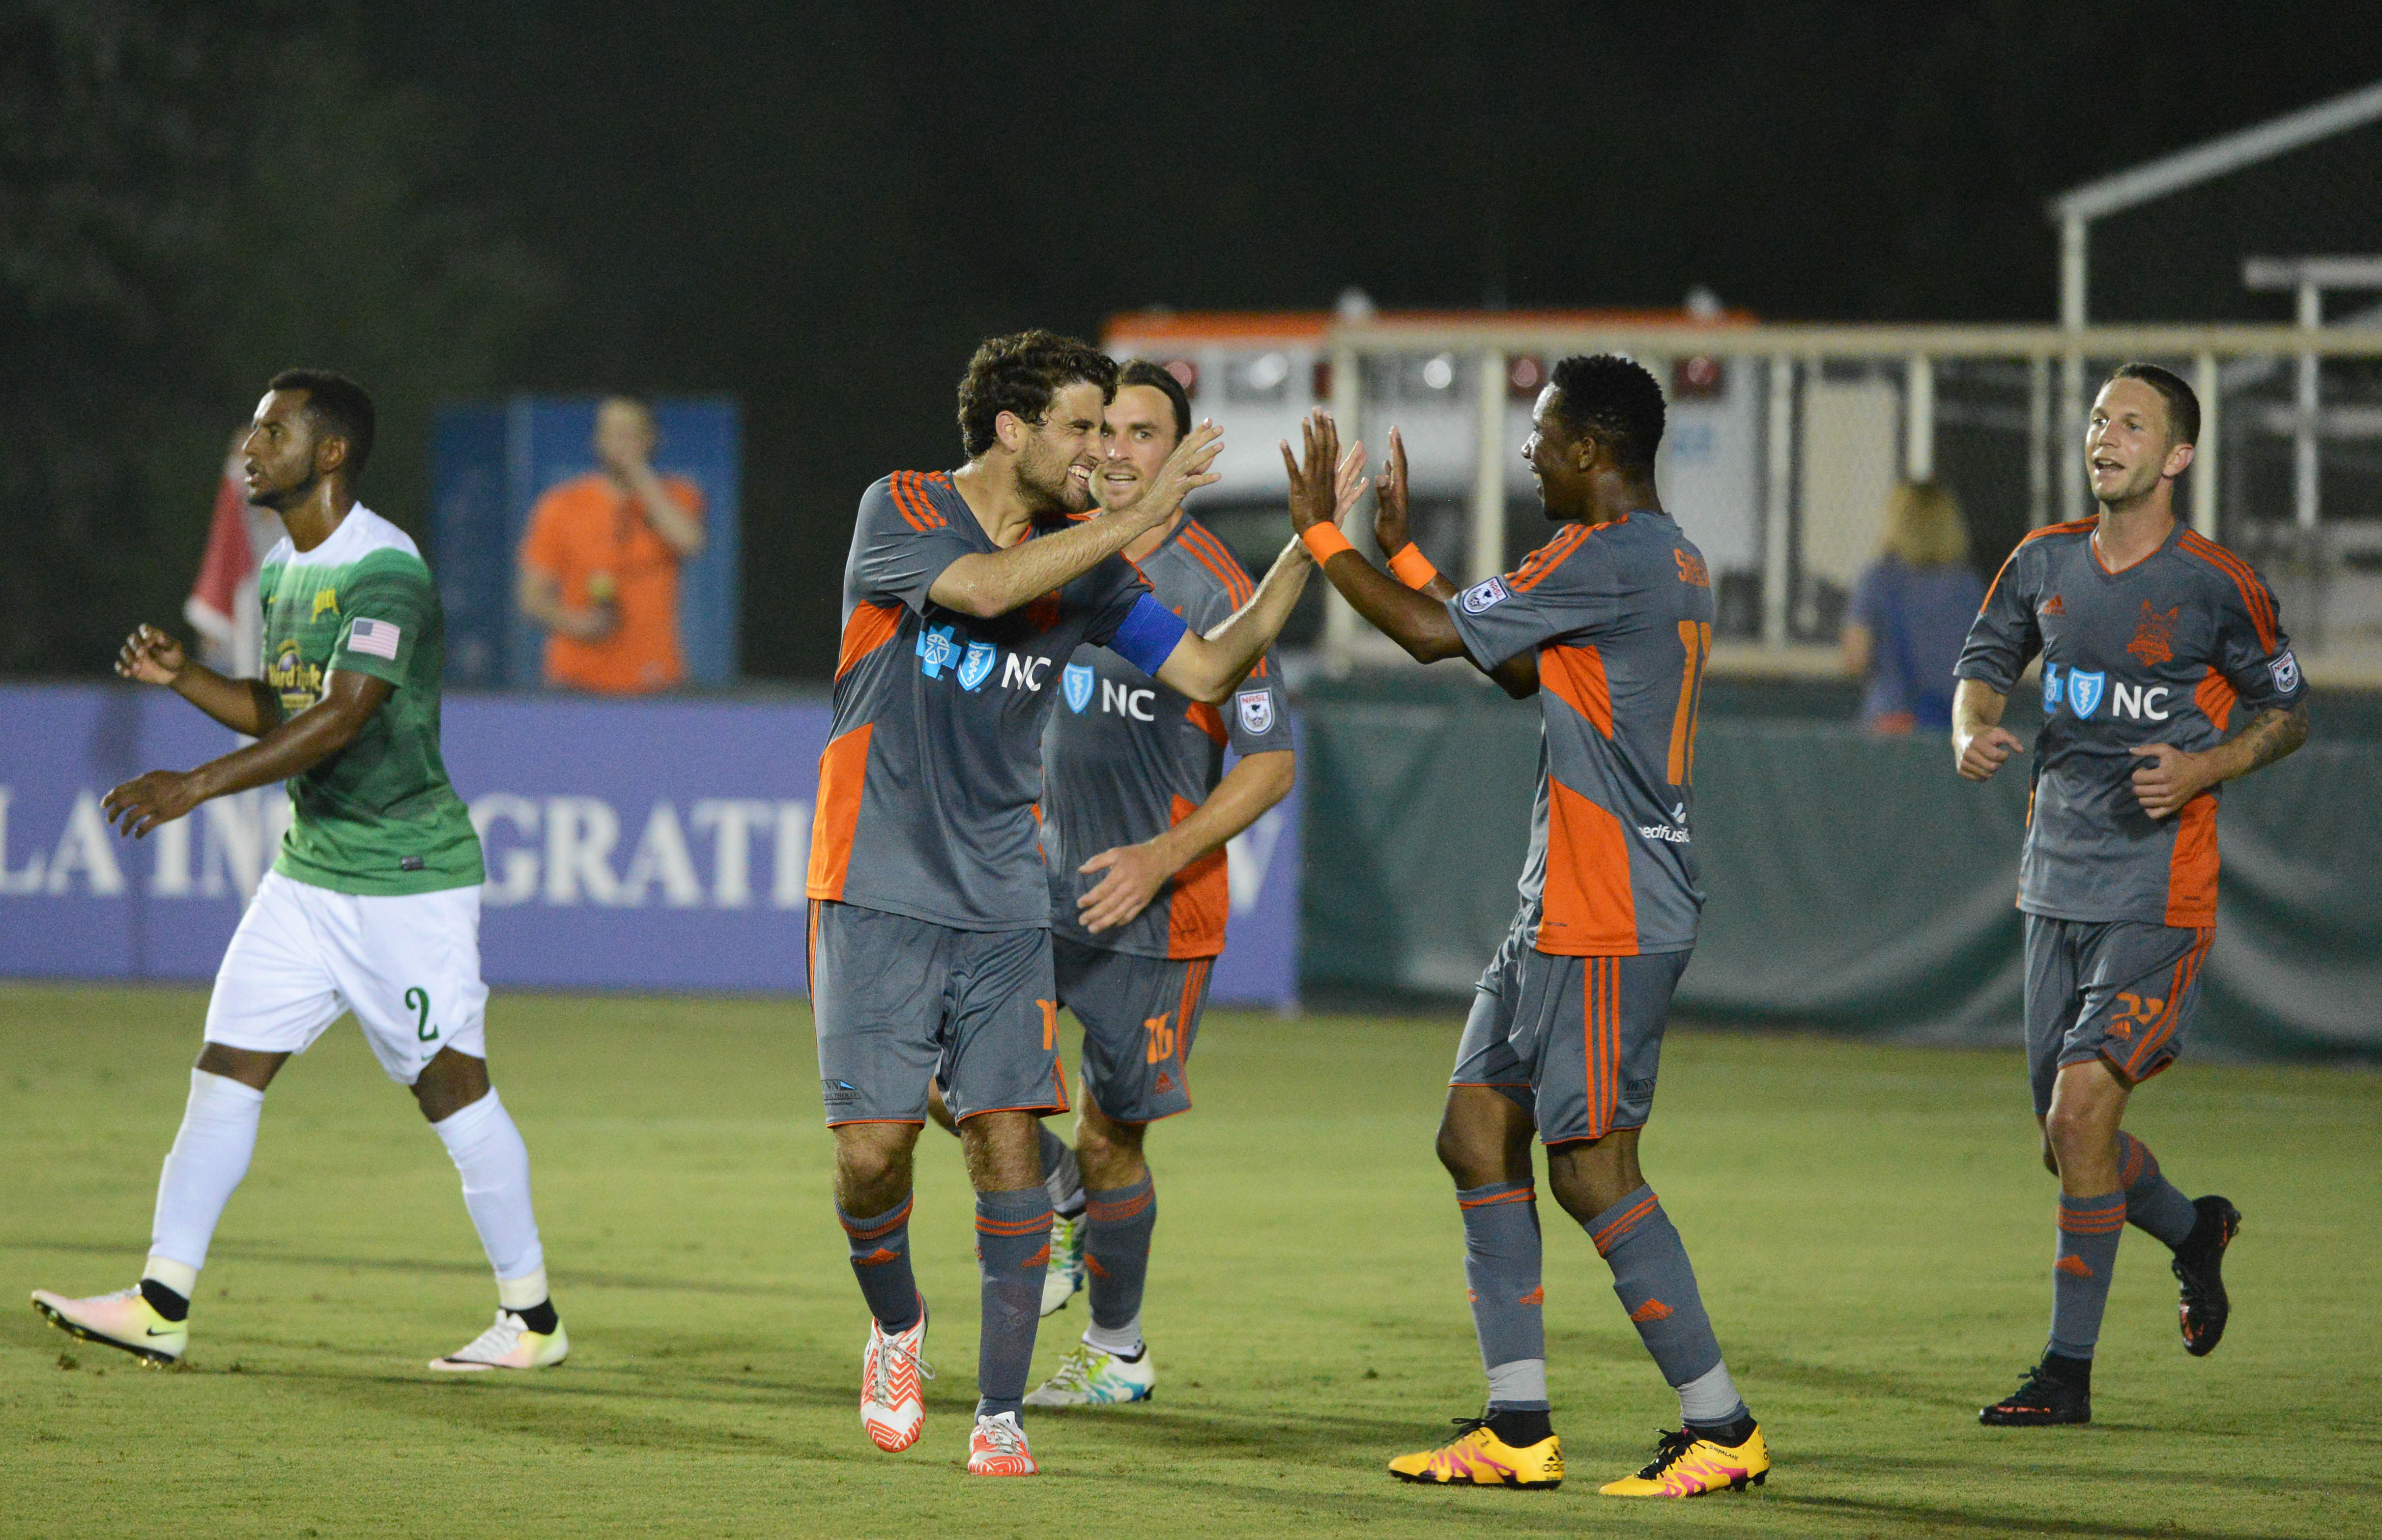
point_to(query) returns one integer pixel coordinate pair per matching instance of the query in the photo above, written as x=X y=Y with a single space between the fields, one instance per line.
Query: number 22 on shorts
x=417 y=1000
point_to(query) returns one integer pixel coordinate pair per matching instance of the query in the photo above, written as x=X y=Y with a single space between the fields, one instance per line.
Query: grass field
x=1871 y=1230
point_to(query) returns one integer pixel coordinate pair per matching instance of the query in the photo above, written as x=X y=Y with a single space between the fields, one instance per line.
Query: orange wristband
x=1412 y=568
x=1324 y=542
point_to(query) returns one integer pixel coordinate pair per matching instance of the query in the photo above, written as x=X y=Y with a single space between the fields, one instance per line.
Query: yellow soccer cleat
x=1686 y=1466
x=1478 y=1458
x=124 y=1319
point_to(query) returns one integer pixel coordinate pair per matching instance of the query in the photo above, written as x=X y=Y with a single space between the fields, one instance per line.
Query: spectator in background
x=1911 y=612
x=599 y=566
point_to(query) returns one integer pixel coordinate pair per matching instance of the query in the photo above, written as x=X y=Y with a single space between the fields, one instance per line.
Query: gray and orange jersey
x=2167 y=651
x=934 y=763
x=1621 y=617
x=1125 y=759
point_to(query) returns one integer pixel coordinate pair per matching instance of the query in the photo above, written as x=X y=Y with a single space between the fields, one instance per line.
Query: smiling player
x=2152 y=640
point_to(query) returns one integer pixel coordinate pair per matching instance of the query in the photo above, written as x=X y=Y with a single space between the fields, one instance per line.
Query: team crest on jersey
x=2084 y=691
x=1257 y=711
x=937 y=650
x=2153 y=640
x=325 y=599
x=2285 y=671
x=977 y=666
x=1076 y=679
x=1485 y=593
x=2050 y=686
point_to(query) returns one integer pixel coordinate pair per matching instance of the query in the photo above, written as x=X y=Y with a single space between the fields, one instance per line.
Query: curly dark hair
x=1021 y=374
x=1614 y=398
x=337 y=406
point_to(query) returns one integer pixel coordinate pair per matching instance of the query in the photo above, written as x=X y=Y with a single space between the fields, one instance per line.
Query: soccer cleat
x=2044 y=1399
x=510 y=1344
x=123 y=1319
x=2203 y=1307
x=1686 y=1466
x=893 y=1388
x=1477 y=1457
x=1094 y=1376
x=997 y=1447
x=1066 y=1279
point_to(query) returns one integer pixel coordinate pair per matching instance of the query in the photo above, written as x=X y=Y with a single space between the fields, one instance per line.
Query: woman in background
x=1911 y=611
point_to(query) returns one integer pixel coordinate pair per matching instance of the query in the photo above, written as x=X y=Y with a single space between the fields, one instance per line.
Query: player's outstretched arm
x=152 y=656
x=1981 y=745
x=1414 y=621
x=2170 y=777
x=1518 y=674
x=988 y=583
x=293 y=745
x=1136 y=872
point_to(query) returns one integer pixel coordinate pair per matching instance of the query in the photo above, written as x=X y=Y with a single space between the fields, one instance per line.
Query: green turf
x=1871 y=1230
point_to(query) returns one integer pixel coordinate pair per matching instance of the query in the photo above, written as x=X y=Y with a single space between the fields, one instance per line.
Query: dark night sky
x=821 y=208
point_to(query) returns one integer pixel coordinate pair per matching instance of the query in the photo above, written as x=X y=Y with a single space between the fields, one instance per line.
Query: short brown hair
x=1158 y=377
x=2183 y=402
x=1021 y=374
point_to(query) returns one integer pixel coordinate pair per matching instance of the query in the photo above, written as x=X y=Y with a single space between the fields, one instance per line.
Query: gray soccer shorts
x=2120 y=990
x=1575 y=1041
x=899 y=1003
x=1140 y=1015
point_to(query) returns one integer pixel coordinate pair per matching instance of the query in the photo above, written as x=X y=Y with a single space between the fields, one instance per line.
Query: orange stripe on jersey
x=1576 y=677
x=2214 y=697
x=843 y=770
x=1201 y=542
x=2254 y=597
x=810 y=953
x=1589 y=908
x=909 y=496
x=1205 y=717
x=2191 y=867
x=871 y=627
x=1546 y=559
x=2075 y=527
x=1202 y=900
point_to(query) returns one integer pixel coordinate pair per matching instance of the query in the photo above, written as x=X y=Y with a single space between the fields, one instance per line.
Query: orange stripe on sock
x=1520 y=1195
x=1611 y=1234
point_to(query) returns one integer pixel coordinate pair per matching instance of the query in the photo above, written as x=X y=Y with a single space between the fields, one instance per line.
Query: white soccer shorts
x=408 y=965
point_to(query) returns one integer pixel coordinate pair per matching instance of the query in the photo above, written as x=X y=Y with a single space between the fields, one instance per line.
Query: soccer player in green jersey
x=374 y=904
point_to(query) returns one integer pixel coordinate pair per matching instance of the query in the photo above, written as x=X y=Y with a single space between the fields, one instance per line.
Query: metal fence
x=1785 y=442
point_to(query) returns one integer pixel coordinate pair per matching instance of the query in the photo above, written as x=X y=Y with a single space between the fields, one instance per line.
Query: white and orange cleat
x=510 y=1344
x=124 y=1319
x=892 y=1385
x=997 y=1447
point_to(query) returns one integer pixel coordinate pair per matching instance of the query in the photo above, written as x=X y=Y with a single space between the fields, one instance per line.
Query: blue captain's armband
x=1149 y=635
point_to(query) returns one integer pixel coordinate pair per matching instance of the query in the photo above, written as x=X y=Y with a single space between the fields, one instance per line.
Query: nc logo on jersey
x=977 y=666
x=2285 y=671
x=2050 y=686
x=1257 y=711
x=1484 y=593
x=1076 y=679
x=937 y=651
x=2084 y=691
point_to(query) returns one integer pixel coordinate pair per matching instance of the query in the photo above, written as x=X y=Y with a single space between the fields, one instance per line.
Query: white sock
x=209 y=1157
x=1711 y=1398
x=488 y=1150
x=1123 y=1342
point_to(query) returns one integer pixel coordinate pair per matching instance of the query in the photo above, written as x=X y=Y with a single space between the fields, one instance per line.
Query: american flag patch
x=376 y=637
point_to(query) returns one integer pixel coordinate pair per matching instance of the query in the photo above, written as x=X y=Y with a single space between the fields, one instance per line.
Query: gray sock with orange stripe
x=2151 y=1200
x=1657 y=1285
x=880 y=1260
x=2089 y=1229
x=1501 y=1264
x=1013 y=1249
x=1118 y=1224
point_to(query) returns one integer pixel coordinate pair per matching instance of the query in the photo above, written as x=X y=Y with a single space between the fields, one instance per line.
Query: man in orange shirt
x=599 y=566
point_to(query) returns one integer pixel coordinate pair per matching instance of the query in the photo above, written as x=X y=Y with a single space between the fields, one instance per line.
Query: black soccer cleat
x=2203 y=1307
x=2046 y=1399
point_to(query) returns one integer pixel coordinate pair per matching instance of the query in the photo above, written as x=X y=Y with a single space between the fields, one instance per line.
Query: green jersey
x=379 y=816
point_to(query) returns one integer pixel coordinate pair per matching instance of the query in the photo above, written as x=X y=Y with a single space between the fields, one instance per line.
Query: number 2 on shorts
x=417 y=1000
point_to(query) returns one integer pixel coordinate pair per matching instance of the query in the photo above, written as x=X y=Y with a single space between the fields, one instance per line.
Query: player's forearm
x=243 y=705
x=989 y=583
x=1976 y=706
x=294 y=746
x=1414 y=621
x=1250 y=788
x=680 y=533
x=1228 y=650
x=2274 y=734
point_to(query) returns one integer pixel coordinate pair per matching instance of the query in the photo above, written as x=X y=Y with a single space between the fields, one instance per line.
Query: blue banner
x=630 y=843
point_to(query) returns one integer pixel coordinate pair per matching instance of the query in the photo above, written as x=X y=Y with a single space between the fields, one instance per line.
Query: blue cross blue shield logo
x=937 y=651
x=2050 y=688
x=2084 y=691
x=1076 y=680
x=977 y=666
